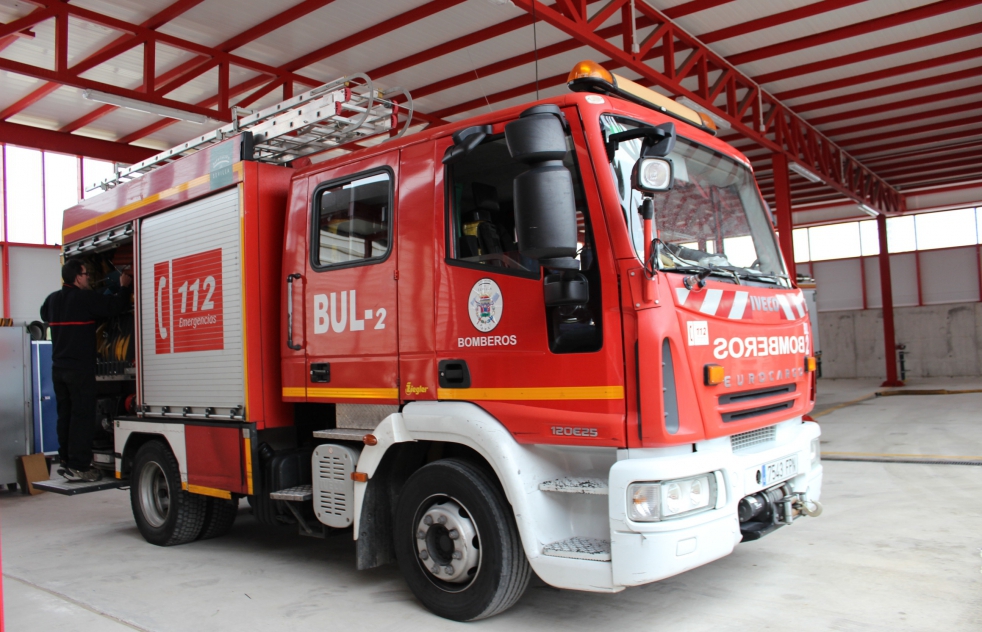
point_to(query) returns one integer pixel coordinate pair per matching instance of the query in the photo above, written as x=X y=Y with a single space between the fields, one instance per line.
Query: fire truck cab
x=556 y=338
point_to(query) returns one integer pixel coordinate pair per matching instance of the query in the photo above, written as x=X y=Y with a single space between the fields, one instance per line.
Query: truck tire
x=165 y=514
x=219 y=517
x=457 y=544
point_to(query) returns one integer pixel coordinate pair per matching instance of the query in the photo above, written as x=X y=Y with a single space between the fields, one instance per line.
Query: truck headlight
x=650 y=502
x=815 y=452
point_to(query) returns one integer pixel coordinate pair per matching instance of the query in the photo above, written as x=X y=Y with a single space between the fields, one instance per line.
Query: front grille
x=740 y=415
x=759 y=436
x=759 y=393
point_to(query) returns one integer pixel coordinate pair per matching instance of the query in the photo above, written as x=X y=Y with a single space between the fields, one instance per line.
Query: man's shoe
x=86 y=476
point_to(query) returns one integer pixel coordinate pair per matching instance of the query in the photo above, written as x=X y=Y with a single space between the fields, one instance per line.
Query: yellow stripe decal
x=532 y=393
x=248 y=464
x=294 y=391
x=209 y=491
x=163 y=195
x=150 y=199
x=353 y=393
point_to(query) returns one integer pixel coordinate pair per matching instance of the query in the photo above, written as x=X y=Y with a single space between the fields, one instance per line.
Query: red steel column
x=782 y=198
x=886 y=290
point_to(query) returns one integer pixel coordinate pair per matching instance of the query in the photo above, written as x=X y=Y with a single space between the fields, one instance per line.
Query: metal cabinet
x=43 y=399
x=16 y=415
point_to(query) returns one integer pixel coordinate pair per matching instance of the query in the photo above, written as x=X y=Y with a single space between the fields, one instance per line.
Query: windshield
x=712 y=217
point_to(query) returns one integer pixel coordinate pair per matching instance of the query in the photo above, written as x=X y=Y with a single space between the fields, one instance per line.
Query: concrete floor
x=898 y=548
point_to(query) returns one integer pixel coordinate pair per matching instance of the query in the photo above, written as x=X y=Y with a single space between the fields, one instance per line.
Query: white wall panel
x=193 y=378
x=34 y=273
x=839 y=284
x=949 y=276
x=903 y=277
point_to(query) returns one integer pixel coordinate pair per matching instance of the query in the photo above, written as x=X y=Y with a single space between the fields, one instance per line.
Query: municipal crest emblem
x=485 y=305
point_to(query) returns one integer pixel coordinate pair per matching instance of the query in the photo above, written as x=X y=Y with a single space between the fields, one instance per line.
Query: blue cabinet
x=43 y=391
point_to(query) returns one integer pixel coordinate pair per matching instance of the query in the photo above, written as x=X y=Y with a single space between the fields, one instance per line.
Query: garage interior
x=861 y=121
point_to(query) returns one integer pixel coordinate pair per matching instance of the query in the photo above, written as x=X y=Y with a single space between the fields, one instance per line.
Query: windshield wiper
x=756 y=276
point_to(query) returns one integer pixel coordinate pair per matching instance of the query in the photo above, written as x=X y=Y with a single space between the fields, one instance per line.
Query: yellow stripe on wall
x=532 y=393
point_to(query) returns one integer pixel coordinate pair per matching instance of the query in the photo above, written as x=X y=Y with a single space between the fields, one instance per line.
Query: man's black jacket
x=72 y=314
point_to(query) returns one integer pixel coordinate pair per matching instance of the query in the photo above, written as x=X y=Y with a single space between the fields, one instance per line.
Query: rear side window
x=353 y=221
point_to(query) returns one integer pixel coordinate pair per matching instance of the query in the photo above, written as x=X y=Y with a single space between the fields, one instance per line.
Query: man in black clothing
x=72 y=312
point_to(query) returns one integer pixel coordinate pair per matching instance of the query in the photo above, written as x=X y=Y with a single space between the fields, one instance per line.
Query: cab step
x=298 y=494
x=580 y=549
x=593 y=486
x=343 y=434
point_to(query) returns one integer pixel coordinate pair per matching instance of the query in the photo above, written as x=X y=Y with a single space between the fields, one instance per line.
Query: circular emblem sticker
x=485 y=305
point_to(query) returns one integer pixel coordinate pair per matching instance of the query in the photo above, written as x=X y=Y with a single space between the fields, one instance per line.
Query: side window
x=481 y=232
x=353 y=220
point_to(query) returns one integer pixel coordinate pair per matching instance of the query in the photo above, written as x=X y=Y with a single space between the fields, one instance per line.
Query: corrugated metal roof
x=896 y=83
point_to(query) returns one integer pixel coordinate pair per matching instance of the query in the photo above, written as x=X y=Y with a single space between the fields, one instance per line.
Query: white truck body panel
x=176 y=371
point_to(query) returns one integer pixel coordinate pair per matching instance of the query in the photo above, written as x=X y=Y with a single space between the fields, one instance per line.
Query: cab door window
x=352 y=221
x=481 y=234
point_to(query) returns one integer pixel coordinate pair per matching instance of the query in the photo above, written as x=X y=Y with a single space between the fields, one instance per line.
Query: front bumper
x=643 y=552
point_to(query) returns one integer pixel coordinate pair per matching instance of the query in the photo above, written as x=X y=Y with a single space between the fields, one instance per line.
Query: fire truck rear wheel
x=165 y=514
x=220 y=515
x=457 y=543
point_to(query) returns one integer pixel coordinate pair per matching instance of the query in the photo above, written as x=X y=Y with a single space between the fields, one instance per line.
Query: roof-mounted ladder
x=336 y=113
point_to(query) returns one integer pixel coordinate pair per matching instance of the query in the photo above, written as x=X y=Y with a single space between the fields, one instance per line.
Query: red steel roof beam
x=919 y=129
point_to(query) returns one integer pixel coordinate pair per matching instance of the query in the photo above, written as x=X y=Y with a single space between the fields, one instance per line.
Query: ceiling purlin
x=104 y=54
x=897 y=105
x=919 y=129
x=916 y=84
x=915 y=142
x=7 y=40
x=917 y=117
x=283 y=74
x=195 y=67
x=776 y=19
x=872 y=53
x=876 y=75
x=853 y=30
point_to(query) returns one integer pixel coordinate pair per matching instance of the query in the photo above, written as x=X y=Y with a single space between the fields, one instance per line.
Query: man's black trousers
x=75 y=395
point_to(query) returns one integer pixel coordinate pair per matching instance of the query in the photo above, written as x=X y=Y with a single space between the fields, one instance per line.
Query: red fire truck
x=556 y=338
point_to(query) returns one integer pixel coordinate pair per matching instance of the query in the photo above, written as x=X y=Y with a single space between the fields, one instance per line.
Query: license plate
x=778 y=470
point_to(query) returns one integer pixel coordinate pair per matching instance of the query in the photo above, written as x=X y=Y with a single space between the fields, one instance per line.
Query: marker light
x=713 y=374
x=810 y=364
x=589 y=76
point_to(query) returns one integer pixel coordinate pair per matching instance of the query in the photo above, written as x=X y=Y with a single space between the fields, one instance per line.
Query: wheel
x=219 y=517
x=165 y=514
x=457 y=544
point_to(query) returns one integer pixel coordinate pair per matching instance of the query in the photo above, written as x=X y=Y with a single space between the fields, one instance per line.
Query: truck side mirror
x=545 y=210
x=464 y=142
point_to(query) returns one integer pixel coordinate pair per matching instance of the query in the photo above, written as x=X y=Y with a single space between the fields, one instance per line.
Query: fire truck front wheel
x=457 y=543
x=165 y=514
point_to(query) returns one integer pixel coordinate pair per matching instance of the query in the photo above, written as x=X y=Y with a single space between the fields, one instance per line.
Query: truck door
x=549 y=374
x=350 y=295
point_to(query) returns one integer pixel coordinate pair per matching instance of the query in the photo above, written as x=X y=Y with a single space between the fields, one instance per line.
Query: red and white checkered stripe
x=737 y=304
